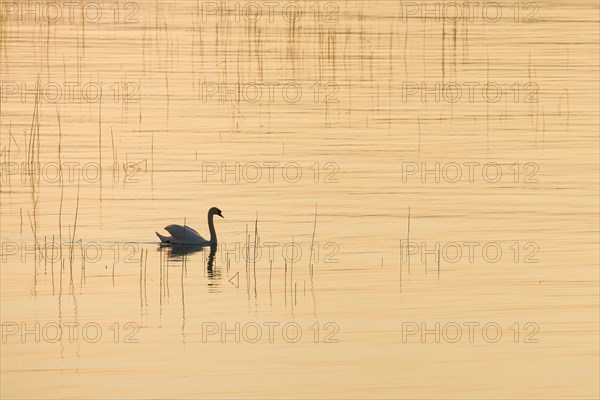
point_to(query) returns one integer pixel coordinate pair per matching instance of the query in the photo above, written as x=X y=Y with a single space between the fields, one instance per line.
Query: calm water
x=411 y=206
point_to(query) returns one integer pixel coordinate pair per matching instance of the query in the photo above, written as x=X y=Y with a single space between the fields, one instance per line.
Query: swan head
x=215 y=211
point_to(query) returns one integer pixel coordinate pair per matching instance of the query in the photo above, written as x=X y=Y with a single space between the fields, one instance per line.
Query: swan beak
x=221 y=215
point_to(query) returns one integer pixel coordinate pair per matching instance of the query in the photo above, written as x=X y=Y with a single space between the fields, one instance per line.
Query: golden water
x=198 y=112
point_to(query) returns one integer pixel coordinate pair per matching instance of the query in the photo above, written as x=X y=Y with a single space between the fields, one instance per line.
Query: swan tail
x=164 y=239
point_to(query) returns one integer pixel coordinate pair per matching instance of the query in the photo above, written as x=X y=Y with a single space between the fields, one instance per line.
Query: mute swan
x=186 y=235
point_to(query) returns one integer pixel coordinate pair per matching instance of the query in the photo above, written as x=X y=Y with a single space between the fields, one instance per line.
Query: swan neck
x=211 y=228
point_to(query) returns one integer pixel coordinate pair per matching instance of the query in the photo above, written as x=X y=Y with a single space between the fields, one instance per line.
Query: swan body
x=182 y=235
x=186 y=235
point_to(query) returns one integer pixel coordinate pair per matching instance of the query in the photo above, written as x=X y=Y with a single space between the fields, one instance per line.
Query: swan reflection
x=180 y=253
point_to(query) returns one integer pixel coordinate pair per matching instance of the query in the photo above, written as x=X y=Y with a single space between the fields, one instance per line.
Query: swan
x=186 y=235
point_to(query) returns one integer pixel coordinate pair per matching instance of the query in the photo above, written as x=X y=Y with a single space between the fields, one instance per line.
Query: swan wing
x=184 y=234
x=192 y=229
